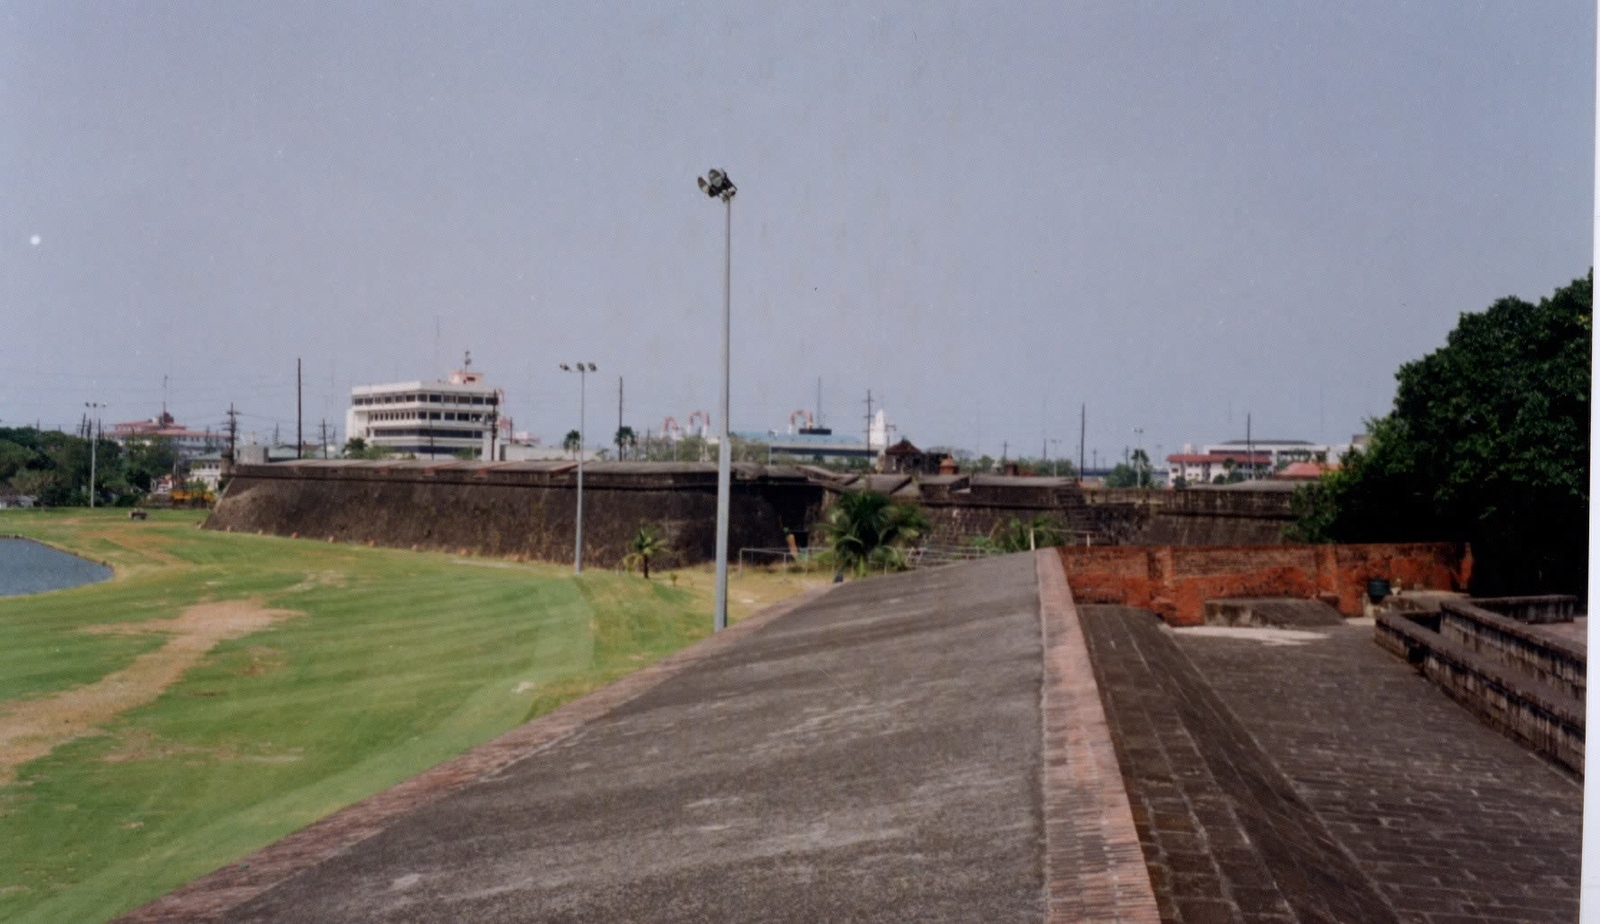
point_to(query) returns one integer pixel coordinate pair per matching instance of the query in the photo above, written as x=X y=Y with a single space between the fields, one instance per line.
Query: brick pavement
x=1453 y=822
x=1225 y=836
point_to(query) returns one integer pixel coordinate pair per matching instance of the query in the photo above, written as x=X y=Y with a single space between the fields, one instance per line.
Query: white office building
x=429 y=420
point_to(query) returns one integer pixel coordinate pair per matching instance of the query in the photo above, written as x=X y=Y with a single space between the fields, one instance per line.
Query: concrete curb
x=213 y=896
x=1094 y=867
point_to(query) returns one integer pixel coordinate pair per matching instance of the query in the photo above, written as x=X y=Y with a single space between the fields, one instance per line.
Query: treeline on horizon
x=54 y=467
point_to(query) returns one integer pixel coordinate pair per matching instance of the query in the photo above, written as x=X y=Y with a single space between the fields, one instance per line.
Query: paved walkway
x=875 y=754
x=1449 y=819
x=957 y=744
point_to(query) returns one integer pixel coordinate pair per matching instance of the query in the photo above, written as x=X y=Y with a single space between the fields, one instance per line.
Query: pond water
x=26 y=567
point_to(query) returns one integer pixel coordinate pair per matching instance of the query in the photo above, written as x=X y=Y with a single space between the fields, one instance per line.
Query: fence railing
x=923 y=556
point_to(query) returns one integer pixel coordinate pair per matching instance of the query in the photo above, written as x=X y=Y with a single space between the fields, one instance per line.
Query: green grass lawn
x=398 y=661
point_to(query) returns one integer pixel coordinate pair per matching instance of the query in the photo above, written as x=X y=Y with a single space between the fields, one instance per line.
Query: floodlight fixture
x=717 y=185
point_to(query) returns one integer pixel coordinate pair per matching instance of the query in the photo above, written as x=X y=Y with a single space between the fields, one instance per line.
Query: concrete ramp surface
x=957 y=744
x=872 y=755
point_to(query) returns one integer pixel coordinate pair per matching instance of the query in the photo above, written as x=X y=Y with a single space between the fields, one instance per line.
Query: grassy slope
x=401 y=660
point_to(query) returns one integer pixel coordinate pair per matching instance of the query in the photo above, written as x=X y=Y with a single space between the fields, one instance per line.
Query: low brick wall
x=1542 y=716
x=1176 y=581
x=1508 y=642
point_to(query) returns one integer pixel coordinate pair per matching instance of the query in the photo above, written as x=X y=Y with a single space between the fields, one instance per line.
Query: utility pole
x=869 y=420
x=299 y=414
x=1083 y=428
x=619 y=418
x=1249 y=448
x=94 y=444
x=324 y=437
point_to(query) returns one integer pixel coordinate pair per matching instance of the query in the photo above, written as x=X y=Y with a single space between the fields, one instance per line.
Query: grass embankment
x=247 y=686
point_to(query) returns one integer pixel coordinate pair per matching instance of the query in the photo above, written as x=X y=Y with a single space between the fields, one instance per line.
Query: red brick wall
x=1176 y=581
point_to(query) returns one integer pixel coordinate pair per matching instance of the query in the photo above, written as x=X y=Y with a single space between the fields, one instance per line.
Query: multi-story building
x=1253 y=458
x=430 y=420
x=1196 y=468
x=189 y=443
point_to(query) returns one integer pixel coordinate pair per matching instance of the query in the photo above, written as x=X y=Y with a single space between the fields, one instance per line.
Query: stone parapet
x=1499 y=679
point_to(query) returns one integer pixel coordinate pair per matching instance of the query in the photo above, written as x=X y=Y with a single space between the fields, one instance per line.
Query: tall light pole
x=94 y=444
x=583 y=370
x=1140 y=465
x=717 y=185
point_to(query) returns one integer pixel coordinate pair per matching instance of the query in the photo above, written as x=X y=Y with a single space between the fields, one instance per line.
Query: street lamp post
x=94 y=445
x=583 y=369
x=717 y=185
x=1141 y=461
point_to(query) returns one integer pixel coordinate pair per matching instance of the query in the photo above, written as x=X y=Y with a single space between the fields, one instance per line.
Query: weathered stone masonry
x=514 y=510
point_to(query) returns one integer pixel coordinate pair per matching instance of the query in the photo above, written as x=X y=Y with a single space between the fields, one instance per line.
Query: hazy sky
x=985 y=213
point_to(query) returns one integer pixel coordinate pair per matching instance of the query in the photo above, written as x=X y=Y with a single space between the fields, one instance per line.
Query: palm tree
x=573 y=443
x=626 y=439
x=645 y=545
x=867 y=528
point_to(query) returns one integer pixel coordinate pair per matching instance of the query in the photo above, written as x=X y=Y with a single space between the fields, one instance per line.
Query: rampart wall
x=526 y=509
x=1176 y=581
x=514 y=510
x=1194 y=516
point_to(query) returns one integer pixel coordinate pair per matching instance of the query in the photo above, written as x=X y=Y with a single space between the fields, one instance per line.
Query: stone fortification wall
x=1176 y=581
x=1193 y=516
x=961 y=508
x=522 y=510
x=525 y=509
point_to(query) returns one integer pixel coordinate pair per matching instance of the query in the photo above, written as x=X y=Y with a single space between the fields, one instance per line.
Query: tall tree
x=1488 y=443
x=626 y=439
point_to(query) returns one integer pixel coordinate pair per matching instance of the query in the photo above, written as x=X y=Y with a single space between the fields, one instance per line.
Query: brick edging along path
x=1094 y=867
x=212 y=896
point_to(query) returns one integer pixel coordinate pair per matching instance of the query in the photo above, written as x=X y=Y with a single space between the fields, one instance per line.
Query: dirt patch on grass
x=32 y=728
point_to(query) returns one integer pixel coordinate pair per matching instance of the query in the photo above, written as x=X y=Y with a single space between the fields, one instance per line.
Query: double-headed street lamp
x=717 y=185
x=583 y=369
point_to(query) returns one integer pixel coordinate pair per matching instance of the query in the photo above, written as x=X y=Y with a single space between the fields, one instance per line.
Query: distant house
x=1304 y=471
x=207 y=469
x=1207 y=467
x=905 y=459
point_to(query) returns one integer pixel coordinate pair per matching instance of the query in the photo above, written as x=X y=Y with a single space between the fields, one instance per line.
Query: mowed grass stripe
x=397 y=661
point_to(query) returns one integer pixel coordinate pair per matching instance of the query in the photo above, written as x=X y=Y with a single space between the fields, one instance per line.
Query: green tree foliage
x=572 y=442
x=1123 y=476
x=1488 y=443
x=54 y=466
x=646 y=544
x=626 y=439
x=357 y=448
x=1135 y=473
x=867 y=529
x=149 y=459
